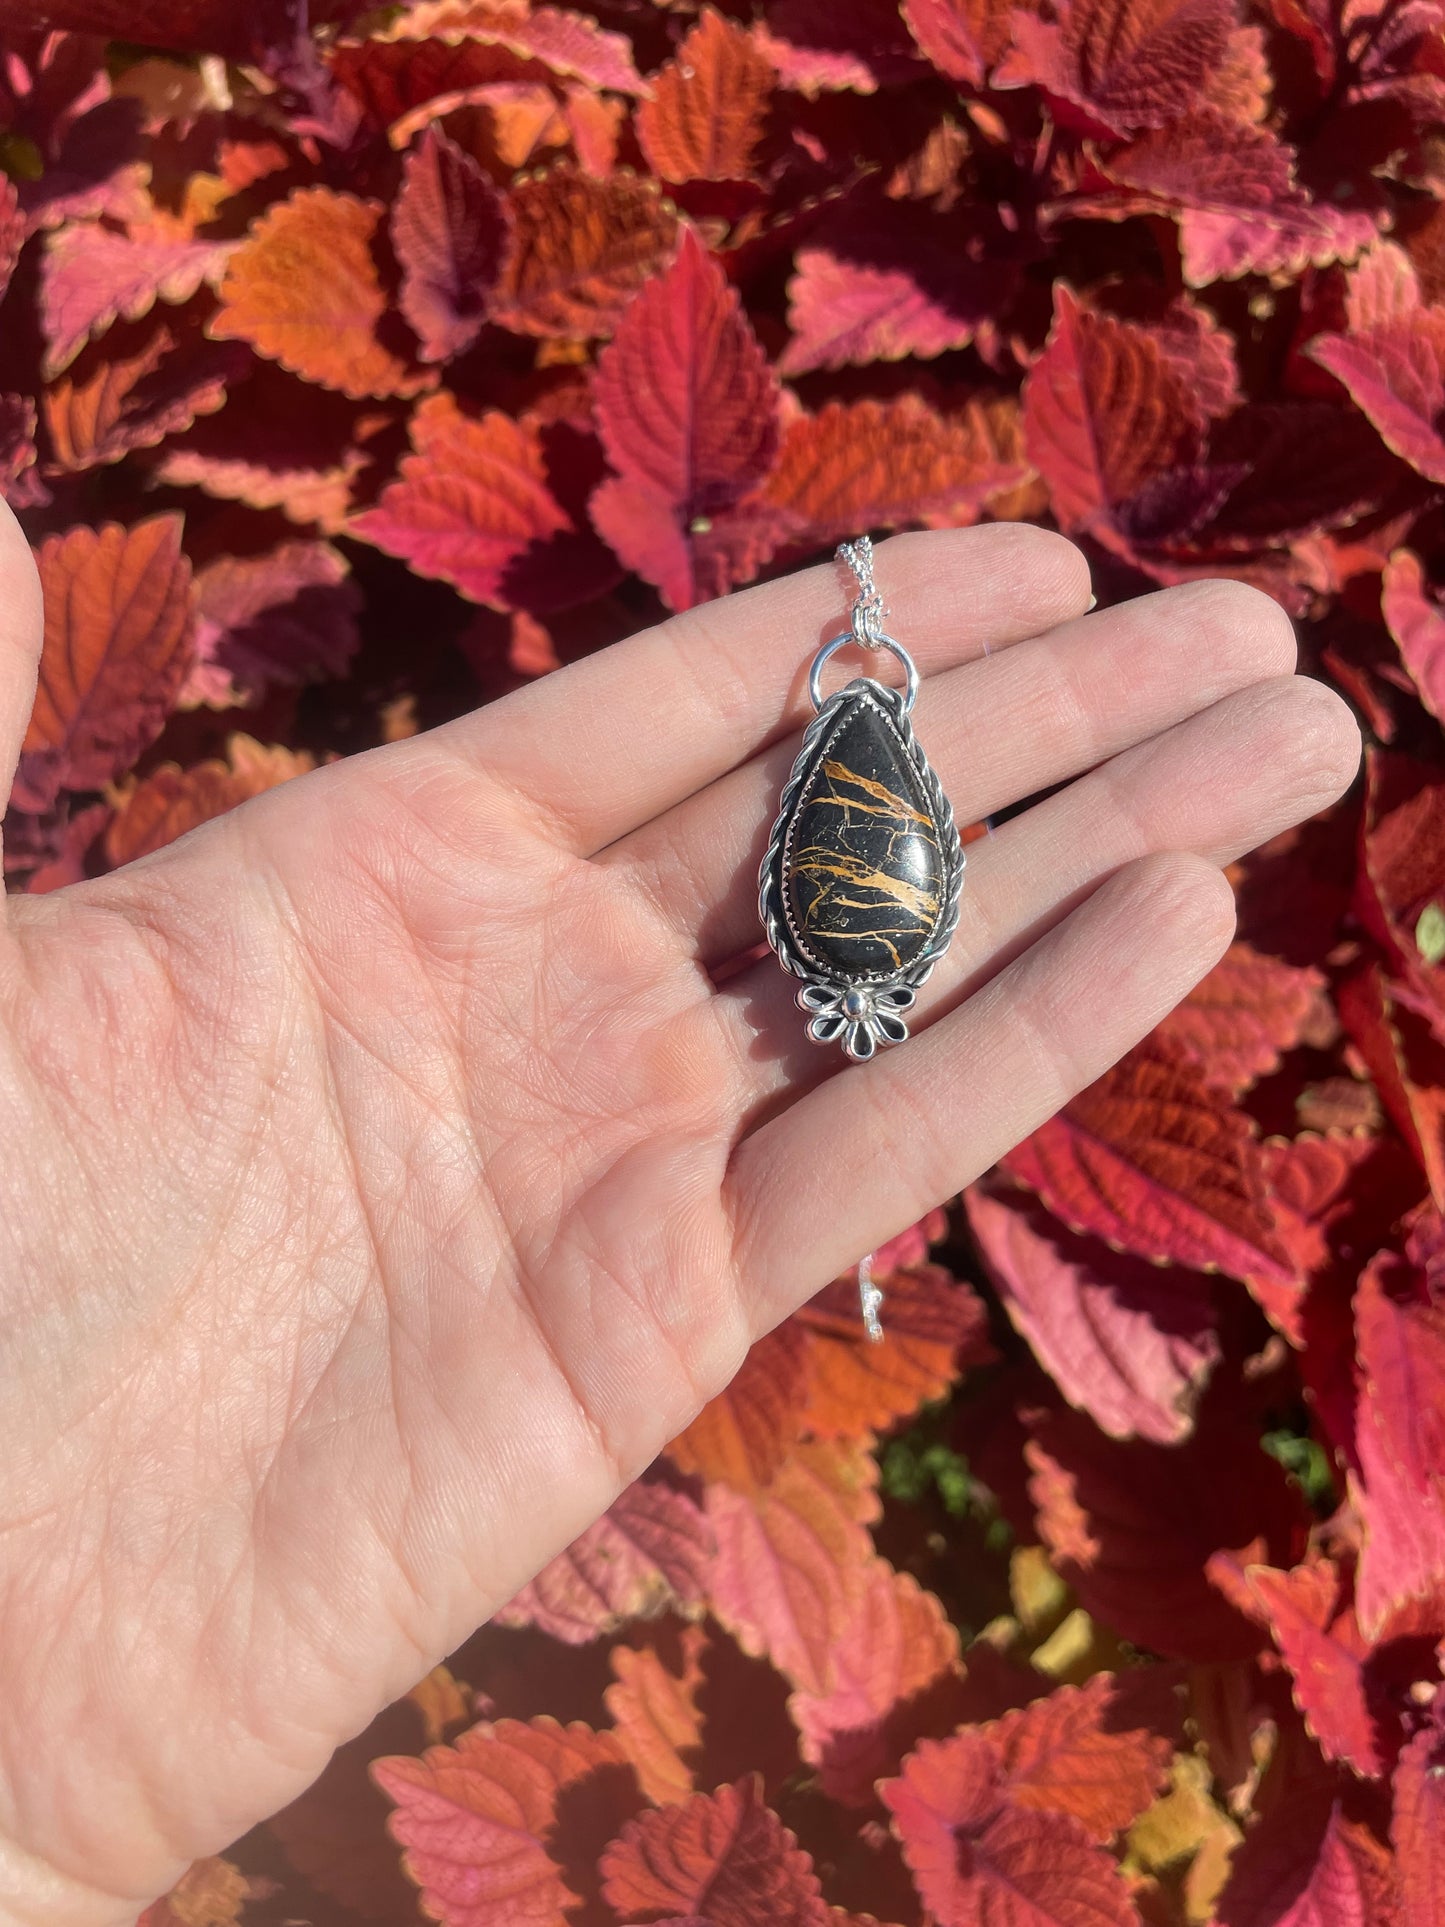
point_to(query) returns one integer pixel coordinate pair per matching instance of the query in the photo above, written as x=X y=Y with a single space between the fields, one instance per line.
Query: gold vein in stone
x=886 y=803
x=817 y=862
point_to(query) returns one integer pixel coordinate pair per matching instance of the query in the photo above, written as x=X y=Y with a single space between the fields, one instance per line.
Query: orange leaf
x=933 y=1326
x=879 y=464
x=476 y=1819
x=303 y=289
x=469 y=499
x=209 y=1893
x=117 y=400
x=118 y=641
x=171 y=800
x=1076 y=1751
x=980 y=1860
x=724 y=1851
x=742 y=1436
x=581 y=248
x=708 y=105
x=655 y=1712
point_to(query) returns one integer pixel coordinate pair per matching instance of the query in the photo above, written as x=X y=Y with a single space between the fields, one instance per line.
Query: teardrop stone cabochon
x=863 y=869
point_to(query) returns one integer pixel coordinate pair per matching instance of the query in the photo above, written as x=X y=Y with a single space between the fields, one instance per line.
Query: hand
x=386 y=1179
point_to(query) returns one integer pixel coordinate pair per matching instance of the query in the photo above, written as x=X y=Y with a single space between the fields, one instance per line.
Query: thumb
x=22 y=626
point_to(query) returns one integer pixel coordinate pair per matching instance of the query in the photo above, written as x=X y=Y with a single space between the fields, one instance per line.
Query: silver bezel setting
x=884 y=995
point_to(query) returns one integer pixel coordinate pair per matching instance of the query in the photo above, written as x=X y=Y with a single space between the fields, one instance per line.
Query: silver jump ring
x=815 y=674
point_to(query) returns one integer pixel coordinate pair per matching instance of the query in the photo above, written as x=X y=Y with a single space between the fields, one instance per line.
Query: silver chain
x=867 y=614
x=870 y=1299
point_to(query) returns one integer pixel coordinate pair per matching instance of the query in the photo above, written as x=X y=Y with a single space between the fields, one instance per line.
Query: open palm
x=388 y=1176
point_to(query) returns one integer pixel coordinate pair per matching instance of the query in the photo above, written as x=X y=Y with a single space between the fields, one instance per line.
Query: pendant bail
x=910 y=671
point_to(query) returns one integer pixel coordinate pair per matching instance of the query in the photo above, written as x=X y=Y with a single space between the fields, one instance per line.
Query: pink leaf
x=1128 y=1343
x=876 y=290
x=449 y=227
x=648 y=1551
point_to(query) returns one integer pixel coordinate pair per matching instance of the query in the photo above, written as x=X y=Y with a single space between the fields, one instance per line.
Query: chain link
x=867 y=614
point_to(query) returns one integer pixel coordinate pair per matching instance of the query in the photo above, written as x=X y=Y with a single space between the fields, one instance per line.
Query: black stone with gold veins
x=863 y=868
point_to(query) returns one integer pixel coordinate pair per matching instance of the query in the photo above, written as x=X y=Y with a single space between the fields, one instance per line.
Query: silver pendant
x=859 y=890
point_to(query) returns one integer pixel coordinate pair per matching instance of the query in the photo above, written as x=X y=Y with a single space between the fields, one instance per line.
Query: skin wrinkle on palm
x=413 y=1065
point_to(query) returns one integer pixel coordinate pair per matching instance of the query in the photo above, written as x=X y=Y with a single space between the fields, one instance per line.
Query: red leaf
x=570 y=44
x=1250 y=1009
x=1240 y=211
x=980 y=1860
x=1419 y=1828
x=19 y=483
x=449 y=229
x=724 y=1851
x=90 y=275
x=1128 y=1343
x=468 y=501
x=288 y=616
x=1393 y=361
x=1124 y=64
x=12 y=231
x=1417 y=622
x=1406 y=1061
x=705 y=119
x=1400 y=1472
x=686 y=404
x=902 y=283
x=817 y=45
x=689 y=564
x=1153 y=1159
x=1305 y=1865
x=1131 y=1527
x=1312 y=1622
x=476 y=1819
x=655 y=1713
x=687 y=410
x=1104 y=410
x=649 y=1551
x=118 y=642
x=205 y=26
x=963 y=38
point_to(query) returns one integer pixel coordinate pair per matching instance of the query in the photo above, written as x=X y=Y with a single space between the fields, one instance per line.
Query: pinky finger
x=877 y=1145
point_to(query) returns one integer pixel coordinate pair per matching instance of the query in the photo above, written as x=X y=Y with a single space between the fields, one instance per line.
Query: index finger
x=608 y=743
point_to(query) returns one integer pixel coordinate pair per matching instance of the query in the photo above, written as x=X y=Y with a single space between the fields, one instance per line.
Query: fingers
x=607 y=743
x=995 y=730
x=873 y=1148
x=1216 y=785
x=21 y=631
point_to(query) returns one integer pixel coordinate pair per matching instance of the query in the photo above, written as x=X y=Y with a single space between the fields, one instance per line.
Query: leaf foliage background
x=357 y=371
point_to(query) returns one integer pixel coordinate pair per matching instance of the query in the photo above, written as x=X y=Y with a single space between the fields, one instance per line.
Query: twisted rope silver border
x=772 y=904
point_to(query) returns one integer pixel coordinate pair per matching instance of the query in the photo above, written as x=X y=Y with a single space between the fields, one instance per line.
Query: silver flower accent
x=865 y=1016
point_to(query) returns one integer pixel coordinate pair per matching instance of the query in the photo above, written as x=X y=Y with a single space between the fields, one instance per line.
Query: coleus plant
x=354 y=369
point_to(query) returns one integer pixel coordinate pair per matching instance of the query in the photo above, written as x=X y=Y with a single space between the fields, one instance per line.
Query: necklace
x=860 y=886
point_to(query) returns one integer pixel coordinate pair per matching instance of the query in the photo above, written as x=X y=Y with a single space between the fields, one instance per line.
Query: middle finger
x=995 y=730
